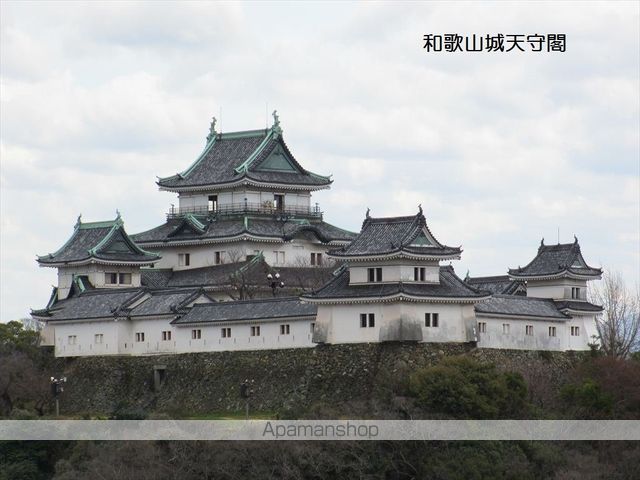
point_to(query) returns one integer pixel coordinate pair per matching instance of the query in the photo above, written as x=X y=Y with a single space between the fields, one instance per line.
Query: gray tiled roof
x=495 y=284
x=164 y=303
x=578 y=305
x=275 y=308
x=97 y=303
x=254 y=274
x=555 y=259
x=109 y=302
x=220 y=160
x=516 y=306
x=383 y=236
x=450 y=286
x=246 y=225
x=101 y=241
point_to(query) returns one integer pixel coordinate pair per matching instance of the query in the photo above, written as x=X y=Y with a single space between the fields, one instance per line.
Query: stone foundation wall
x=368 y=375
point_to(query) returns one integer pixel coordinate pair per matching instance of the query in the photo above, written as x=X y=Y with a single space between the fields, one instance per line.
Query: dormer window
x=375 y=274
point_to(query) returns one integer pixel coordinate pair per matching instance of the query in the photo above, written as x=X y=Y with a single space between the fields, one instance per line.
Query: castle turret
x=97 y=255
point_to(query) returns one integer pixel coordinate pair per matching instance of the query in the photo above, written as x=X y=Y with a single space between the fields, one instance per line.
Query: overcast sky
x=500 y=149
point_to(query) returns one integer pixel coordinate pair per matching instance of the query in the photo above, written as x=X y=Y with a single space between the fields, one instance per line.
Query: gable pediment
x=278 y=161
x=118 y=244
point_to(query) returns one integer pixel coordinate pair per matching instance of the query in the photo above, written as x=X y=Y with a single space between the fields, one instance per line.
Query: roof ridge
x=253 y=300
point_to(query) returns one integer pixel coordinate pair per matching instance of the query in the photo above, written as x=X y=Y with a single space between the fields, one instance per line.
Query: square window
x=552 y=331
x=285 y=329
x=111 y=278
x=375 y=274
x=575 y=331
x=225 y=332
x=139 y=336
x=166 y=335
x=482 y=327
x=528 y=330
x=124 y=278
x=255 y=331
x=196 y=334
x=98 y=338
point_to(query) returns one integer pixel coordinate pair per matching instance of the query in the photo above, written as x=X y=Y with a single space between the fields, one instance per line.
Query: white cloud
x=98 y=99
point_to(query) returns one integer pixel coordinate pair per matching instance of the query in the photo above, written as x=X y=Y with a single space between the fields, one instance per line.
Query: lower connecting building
x=246 y=263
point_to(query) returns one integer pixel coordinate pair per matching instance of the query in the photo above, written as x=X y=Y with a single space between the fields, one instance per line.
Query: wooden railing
x=247 y=207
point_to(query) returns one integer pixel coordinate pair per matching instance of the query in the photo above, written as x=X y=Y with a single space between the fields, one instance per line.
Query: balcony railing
x=247 y=208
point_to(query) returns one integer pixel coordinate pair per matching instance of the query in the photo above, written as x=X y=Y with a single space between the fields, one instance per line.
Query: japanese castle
x=247 y=261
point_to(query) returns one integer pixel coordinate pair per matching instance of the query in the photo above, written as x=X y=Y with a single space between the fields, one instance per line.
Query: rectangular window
x=316 y=259
x=419 y=274
x=278 y=202
x=124 y=278
x=219 y=257
x=285 y=329
x=575 y=292
x=367 y=320
x=166 y=335
x=528 y=330
x=111 y=278
x=139 y=336
x=278 y=257
x=255 y=331
x=184 y=259
x=552 y=331
x=225 y=332
x=575 y=331
x=71 y=339
x=98 y=338
x=213 y=203
x=313 y=326
x=505 y=328
x=375 y=274
x=431 y=319
x=482 y=327
x=196 y=334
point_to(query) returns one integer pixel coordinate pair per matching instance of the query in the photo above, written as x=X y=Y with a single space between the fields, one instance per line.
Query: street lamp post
x=56 y=389
x=246 y=390
x=275 y=282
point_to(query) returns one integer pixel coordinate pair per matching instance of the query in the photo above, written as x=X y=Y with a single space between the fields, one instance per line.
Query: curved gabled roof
x=177 y=230
x=450 y=287
x=258 y=157
x=563 y=259
x=99 y=242
x=396 y=236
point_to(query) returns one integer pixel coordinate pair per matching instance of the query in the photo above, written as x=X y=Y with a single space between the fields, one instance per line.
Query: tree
x=619 y=323
x=465 y=388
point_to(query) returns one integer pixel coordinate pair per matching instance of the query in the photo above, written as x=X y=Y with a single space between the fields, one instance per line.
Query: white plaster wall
x=394 y=273
x=84 y=332
x=559 y=288
x=540 y=340
x=297 y=253
x=342 y=322
x=96 y=274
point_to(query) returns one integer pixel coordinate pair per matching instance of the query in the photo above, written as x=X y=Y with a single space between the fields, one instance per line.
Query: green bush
x=588 y=399
x=465 y=388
